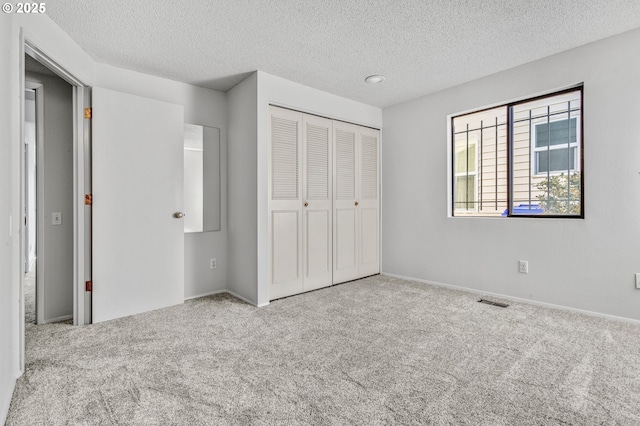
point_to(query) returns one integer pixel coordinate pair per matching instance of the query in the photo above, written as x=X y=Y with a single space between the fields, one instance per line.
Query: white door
x=368 y=202
x=285 y=203
x=138 y=244
x=317 y=211
x=345 y=219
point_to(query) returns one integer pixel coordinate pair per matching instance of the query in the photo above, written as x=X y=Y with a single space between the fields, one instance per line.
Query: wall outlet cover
x=56 y=218
x=523 y=266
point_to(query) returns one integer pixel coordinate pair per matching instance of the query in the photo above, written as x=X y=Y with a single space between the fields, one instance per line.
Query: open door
x=138 y=239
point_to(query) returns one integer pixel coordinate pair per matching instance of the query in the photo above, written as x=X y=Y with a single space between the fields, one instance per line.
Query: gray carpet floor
x=373 y=351
x=30 y=297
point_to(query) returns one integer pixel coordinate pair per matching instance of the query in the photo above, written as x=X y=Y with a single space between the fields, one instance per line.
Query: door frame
x=39 y=90
x=81 y=185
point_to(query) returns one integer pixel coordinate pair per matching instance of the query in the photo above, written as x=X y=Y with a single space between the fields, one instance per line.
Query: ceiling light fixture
x=374 y=79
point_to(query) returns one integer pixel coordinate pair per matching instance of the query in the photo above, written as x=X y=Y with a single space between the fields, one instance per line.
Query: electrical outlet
x=523 y=266
x=213 y=263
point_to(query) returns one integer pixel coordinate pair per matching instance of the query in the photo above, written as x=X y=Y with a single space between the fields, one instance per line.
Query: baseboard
x=211 y=293
x=58 y=319
x=517 y=299
x=244 y=299
x=236 y=295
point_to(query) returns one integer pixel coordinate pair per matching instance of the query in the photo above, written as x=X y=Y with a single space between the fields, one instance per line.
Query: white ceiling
x=421 y=46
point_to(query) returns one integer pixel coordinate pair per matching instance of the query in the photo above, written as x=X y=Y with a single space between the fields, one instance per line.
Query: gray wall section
x=243 y=191
x=55 y=253
x=583 y=264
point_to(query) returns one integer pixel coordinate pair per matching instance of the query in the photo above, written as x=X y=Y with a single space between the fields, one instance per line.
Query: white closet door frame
x=317 y=198
x=285 y=203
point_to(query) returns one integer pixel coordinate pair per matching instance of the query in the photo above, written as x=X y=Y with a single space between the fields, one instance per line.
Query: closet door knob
x=178 y=215
x=356 y=203
x=306 y=204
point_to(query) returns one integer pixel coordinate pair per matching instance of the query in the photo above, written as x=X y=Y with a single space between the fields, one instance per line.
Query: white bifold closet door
x=368 y=202
x=317 y=197
x=138 y=243
x=345 y=231
x=356 y=244
x=323 y=202
x=300 y=195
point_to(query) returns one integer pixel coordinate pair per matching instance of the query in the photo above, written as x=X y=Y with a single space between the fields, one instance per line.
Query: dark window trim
x=509 y=106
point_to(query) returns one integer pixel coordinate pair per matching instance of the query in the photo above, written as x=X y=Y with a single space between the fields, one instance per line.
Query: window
x=557 y=153
x=465 y=173
x=520 y=159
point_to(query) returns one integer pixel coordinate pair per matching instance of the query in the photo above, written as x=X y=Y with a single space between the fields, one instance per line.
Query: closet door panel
x=317 y=221
x=346 y=267
x=369 y=254
x=369 y=206
x=317 y=253
x=345 y=229
x=285 y=198
x=285 y=246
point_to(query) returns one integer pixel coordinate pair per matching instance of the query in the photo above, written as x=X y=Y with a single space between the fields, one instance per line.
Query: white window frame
x=535 y=150
x=476 y=142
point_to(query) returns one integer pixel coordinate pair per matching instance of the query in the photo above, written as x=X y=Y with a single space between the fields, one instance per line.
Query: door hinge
x=88 y=112
x=88 y=199
x=88 y=286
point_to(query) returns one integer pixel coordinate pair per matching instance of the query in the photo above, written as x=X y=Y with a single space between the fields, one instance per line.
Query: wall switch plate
x=637 y=279
x=56 y=218
x=213 y=263
x=523 y=266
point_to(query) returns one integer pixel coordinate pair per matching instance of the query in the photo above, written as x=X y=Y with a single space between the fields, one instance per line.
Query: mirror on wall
x=201 y=178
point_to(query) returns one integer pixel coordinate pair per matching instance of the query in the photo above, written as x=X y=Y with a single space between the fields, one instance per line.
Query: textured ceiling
x=421 y=46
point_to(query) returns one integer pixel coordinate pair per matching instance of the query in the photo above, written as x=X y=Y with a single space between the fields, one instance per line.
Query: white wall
x=242 y=175
x=55 y=253
x=582 y=264
x=9 y=243
x=201 y=106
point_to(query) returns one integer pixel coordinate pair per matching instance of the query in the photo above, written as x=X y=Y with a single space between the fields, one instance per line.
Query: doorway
x=56 y=145
x=49 y=213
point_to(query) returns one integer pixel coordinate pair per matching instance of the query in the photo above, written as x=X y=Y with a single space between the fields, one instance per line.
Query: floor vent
x=490 y=302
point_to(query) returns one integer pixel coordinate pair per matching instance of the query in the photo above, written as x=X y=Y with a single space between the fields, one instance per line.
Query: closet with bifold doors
x=323 y=202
